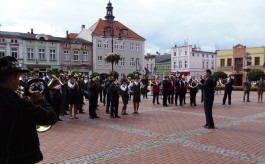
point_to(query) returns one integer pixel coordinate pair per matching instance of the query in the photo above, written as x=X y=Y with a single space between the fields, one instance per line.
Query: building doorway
x=238 y=79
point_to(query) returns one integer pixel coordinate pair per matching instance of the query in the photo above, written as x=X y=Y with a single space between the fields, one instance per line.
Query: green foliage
x=255 y=74
x=55 y=71
x=94 y=74
x=131 y=75
x=114 y=74
x=218 y=75
x=112 y=58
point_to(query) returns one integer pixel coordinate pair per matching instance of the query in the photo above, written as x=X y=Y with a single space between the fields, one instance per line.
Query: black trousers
x=170 y=96
x=193 y=97
x=208 y=105
x=165 y=99
x=114 y=108
x=108 y=103
x=156 y=96
x=179 y=96
x=92 y=106
x=227 y=94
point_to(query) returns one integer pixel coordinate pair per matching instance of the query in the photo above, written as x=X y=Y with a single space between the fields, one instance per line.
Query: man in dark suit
x=165 y=90
x=179 y=91
x=229 y=82
x=208 y=97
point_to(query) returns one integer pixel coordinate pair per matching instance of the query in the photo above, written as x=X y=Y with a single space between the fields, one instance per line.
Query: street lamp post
x=111 y=30
x=248 y=60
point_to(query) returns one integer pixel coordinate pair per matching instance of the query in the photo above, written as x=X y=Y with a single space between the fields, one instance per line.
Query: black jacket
x=19 y=118
x=208 y=88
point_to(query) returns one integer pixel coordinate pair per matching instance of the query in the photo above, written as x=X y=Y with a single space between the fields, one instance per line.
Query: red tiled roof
x=98 y=28
x=72 y=35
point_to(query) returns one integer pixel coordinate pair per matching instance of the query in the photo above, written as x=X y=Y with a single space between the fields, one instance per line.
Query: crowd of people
x=28 y=100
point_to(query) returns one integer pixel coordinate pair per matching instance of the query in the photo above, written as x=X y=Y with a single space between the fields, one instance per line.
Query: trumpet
x=223 y=81
x=194 y=83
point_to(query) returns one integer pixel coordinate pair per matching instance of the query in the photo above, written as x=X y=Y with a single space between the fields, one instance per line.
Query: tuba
x=54 y=82
x=39 y=85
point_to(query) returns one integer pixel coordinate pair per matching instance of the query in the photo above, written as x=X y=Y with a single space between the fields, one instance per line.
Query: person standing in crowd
x=124 y=92
x=81 y=87
x=92 y=89
x=130 y=81
x=228 y=82
x=114 y=98
x=246 y=88
x=186 y=86
x=64 y=95
x=208 y=97
x=179 y=93
x=260 y=87
x=135 y=88
x=19 y=139
x=165 y=90
x=72 y=96
x=202 y=82
x=107 y=85
x=103 y=87
x=22 y=80
x=171 y=89
x=155 y=84
x=144 y=90
x=193 y=83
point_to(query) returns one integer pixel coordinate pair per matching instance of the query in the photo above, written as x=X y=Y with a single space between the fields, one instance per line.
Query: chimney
x=31 y=30
x=67 y=35
x=83 y=26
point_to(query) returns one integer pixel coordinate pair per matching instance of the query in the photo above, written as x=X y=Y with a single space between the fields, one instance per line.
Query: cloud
x=163 y=23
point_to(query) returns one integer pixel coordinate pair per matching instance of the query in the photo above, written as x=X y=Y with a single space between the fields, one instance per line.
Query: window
x=186 y=53
x=212 y=56
x=2 y=52
x=66 y=56
x=202 y=55
x=174 y=65
x=14 y=52
x=238 y=63
x=131 y=46
x=30 y=53
x=137 y=47
x=52 y=55
x=222 y=62
x=203 y=66
x=193 y=54
x=137 y=61
x=212 y=65
x=131 y=61
x=122 y=60
x=85 y=56
x=122 y=45
x=76 y=55
x=257 y=61
x=207 y=56
x=99 y=60
x=180 y=64
x=99 y=44
x=175 y=53
x=185 y=64
x=116 y=46
x=106 y=44
x=42 y=54
x=207 y=64
x=229 y=62
x=147 y=66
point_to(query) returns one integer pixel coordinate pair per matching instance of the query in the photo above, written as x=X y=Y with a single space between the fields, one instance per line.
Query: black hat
x=9 y=65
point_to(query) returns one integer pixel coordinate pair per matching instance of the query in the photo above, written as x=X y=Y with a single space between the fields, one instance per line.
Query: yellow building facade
x=240 y=60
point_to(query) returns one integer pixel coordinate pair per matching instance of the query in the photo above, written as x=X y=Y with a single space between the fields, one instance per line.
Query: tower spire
x=109 y=15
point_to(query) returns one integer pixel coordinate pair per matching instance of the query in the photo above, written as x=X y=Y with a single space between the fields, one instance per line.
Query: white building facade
x=191 y=61
x=118 y=39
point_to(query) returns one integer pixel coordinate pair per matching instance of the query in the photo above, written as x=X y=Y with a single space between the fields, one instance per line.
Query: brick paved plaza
x=162 y=135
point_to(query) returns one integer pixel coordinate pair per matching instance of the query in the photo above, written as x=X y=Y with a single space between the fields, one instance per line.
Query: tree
x=114 y=74
x=218 y=75
x=131 y=75
x=255 y=74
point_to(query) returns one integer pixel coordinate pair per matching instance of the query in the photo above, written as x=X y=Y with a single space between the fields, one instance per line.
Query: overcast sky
x=211 y=24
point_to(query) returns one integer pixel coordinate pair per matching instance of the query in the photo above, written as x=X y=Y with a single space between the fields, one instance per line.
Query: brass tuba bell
x=54 y=82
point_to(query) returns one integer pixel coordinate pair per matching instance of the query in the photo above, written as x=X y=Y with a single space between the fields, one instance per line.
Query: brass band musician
x=193 y=86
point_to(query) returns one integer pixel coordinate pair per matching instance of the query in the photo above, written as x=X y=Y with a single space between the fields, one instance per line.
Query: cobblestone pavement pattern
x=158 y=134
